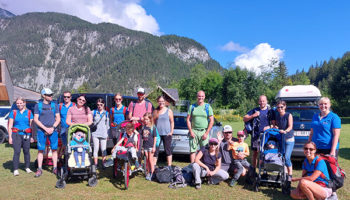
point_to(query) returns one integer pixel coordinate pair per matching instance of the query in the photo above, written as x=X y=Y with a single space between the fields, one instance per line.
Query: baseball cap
x=141 y=90
x=227 y=128
x=240 y=133
x=214 y=140
x=46 y=91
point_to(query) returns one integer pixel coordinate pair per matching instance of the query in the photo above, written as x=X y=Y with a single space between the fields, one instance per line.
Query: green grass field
x=25 y=186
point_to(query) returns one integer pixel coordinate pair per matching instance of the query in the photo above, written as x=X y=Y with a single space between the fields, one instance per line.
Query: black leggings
x=19 y=142
x=166 y=140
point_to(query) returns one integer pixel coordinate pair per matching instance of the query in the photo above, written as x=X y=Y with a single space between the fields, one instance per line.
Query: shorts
x=166 y=143
x=63 y=135
x=328 y=191
x=42 y=140
x=197 y=140
x=148 y=149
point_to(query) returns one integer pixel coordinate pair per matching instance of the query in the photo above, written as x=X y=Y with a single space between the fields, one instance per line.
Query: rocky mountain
x=6 y=14
x=63 y=52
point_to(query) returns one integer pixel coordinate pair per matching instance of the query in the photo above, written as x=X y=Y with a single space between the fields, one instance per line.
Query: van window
x=300 y=115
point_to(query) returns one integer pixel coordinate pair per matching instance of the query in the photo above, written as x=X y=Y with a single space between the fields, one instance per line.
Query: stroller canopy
x=273 y=134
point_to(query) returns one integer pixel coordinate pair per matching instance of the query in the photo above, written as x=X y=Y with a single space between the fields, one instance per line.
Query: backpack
x=163 y=174
x=178 y=180
x=206 y=109
x=158 y=137
x=336 y=174
x=15 y=113
x=40 y=107
x=124 y=111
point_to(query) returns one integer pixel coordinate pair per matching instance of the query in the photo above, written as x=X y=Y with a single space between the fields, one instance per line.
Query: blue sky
x=245 y=33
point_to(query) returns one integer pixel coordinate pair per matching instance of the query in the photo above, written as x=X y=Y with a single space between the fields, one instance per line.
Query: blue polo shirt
x=321 y=166
x=21 y=121
x=63 y=113
x=322 y=130
x=118 y=115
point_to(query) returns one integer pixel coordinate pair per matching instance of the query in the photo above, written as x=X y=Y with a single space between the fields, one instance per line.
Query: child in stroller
x=79 y=139
x=271 y=154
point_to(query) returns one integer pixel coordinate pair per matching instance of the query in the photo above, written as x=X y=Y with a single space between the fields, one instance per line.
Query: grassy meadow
x=25 y=186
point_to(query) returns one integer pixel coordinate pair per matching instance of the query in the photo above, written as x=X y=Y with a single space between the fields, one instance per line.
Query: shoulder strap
x=29 y=112
x=124 y=110
x=316 y=163
x=146 y=104
x=40 y=107
x=14 y=115
x=94 y=114
x=61 y=106
x=53 y=107
x=207 y=109
x=192 y=108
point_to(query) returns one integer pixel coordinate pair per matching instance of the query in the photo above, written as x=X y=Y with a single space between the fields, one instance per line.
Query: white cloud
x=259 y=59
x=127 y=13
x=231 y=46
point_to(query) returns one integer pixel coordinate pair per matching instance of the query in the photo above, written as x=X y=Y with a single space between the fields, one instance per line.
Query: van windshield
x=302 y=114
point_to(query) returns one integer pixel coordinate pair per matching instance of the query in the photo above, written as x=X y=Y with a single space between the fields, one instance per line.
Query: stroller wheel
x=93 y=181
x=126 y=174
x=60 y=184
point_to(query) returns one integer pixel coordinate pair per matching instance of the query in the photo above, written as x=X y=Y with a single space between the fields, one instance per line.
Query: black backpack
x=163 y=174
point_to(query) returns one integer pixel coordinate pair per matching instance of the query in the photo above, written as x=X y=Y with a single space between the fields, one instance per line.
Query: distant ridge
x=6 y=14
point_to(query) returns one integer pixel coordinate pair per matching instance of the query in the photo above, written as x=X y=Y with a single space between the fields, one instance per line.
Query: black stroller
x=69 y=169
x=272 y=171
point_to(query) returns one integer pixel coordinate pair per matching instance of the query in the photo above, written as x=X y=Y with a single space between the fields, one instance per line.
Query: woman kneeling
x=314 y=183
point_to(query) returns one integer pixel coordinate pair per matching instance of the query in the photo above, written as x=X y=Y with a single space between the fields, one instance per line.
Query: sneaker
x=28 y=170
x=232 y=183
x=54 y=170
x=15 y=173
x=132 y=167
x=198 y=186
x=83 y=165
x=38 y=173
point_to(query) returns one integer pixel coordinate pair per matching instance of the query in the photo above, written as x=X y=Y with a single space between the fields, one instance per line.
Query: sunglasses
x=49 y=95
x=100 y=104
x=82 y=100
x=67 y=97
x=227 y=132
x=117 y=99
x=280 y=107
x=213 y=143
x=140 y=94
x=310 y=149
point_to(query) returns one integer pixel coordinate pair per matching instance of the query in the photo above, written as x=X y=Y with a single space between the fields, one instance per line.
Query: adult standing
x=67 y=103
x=117 y=115
x=325 y=129
x=198 y=124
x=47 y=118
x=208 y=163
x=224 y=141
x=164 y=120
x=19 y=124
x=284 y=122
x=99 y=136
x=262 y=117
x=139 y=108
x=79 y=113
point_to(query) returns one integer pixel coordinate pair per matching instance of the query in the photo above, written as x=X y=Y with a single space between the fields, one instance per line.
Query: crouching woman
x=314 y=183
x=208 y=163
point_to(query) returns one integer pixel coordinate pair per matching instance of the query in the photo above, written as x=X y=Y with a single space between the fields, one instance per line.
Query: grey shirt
x=163 y=123
x=226 y=154
x=102 y=126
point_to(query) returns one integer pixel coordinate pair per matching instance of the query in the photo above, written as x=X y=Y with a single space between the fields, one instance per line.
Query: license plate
x=176 y=137
x=301 y=133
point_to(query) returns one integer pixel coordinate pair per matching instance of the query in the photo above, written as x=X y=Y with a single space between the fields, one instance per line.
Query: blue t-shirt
x=321 y=166
x=21 y=121
x=322 y=130
x=47 y=117
x=118 y=115
x=63 y=113
x=260 y=122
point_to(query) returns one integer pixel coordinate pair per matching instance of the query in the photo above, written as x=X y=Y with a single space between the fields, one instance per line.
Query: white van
x=302 y=104
x=4 y=113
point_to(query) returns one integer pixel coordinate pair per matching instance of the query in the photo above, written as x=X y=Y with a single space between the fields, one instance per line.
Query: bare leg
x=297 y=194
x=192 y=157
x=254 y=158
x=151 y=159
x=312 y=189
x=96 y=160
x=290 y=170
x=54 y=158
x=169 y=160
x=40 y=159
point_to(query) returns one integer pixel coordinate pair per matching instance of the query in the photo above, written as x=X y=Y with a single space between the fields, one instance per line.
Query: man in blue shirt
x=47 y=118
x=67 y=97
x=262 y=117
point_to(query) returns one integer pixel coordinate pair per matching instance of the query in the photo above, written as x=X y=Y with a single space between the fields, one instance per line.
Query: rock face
x=6 y=14
x=63 y=52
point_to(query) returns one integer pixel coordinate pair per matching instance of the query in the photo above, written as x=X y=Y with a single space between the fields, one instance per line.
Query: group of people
x=216 y=158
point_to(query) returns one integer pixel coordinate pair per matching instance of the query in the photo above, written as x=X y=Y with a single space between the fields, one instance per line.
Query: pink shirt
x=140 y=109
x=78 y=116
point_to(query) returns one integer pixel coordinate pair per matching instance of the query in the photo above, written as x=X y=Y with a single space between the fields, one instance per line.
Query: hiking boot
x=15 y=173
x=28 y=170
x=38 y=173
x=198 y=186
x=233 y=183
x=54 y=170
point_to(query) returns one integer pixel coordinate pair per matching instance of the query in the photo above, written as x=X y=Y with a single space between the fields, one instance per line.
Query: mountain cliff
x=63 y=52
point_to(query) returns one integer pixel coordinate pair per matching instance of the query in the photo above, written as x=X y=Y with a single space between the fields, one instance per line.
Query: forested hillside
x=64 y=52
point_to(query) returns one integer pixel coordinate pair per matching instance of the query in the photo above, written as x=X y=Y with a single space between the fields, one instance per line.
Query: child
x=149 y=137
x=79 y=139
x=130 y=143
x=240 y=151
x=271 y=154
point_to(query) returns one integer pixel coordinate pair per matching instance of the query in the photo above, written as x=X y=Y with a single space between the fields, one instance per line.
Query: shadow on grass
x=274 y=193
x=344 y=153
x=345 y=120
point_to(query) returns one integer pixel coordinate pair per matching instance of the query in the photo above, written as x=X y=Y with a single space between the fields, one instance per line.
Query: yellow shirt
x=238 y=148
